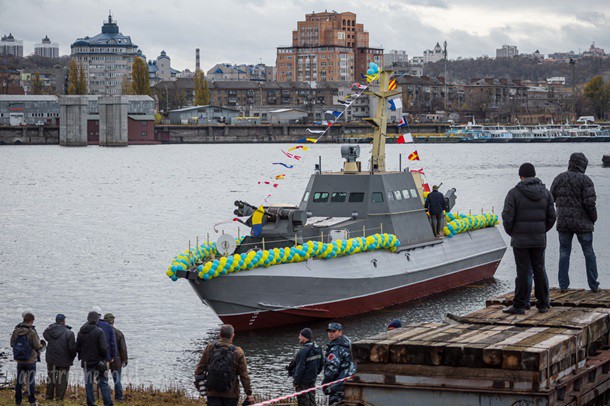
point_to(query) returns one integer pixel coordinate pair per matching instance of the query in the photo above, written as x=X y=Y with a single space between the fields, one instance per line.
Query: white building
x=433 y=55
x=107 y=59
x=161 y=69
x=507 y=51
x=395 y=57
x=46 y=48
x=11 y=46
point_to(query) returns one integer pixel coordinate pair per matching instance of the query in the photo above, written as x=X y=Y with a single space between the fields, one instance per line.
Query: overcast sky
x=248 y=31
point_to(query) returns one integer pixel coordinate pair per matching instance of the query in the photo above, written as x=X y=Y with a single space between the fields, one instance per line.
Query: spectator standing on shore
x=109 y=334
x=337 y=364
x=60 y=353
x=308 y=364
x=435 y=205
x=574 y=195
x=222 y=364
x=120 y=361
x=26 y=351
x=92 y=351
x=529 y=213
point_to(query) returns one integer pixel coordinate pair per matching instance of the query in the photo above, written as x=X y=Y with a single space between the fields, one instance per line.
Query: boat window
x=390 y=196
x=356 y=197
x=306 y=196
x=338 y=197
x=319 y=197
x=397 y=195
x=405 y=194
x=413 y=192
x=377 y=197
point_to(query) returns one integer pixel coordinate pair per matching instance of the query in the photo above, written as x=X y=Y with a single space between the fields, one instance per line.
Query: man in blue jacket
x=110 y=336
x=308 y=364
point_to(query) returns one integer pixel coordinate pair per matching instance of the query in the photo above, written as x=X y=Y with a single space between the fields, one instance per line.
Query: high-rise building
x=46 y=48
x=507 y=51
x=328 y=46
x=11 y=46
x=107 y=59
x=395 y=57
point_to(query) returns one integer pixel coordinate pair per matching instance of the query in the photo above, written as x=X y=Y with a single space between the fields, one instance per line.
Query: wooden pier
x=488 y=357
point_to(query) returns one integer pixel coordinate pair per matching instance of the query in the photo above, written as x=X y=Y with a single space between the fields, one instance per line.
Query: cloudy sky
x=248 y=31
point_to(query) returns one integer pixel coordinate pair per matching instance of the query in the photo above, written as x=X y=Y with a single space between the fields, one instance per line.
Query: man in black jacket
x=529 y=213
x=61 y=350
x=308 y=364
x=574 y=196
x=435 y=204
x=92 y=351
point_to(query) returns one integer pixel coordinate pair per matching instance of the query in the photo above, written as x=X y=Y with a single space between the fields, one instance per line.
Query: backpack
x=22 y=350
x=220 y=368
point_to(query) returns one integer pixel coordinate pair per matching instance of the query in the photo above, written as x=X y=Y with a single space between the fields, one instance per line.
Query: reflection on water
x=98 y=226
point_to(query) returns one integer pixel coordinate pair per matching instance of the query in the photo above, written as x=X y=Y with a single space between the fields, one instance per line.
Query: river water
x=81 y=227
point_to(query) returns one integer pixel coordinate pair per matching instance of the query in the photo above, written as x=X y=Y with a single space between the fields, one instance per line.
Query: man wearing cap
x=529 y=213
x=435 y=205
x=26 y=351
x=120 y=361
x=394 y=324
x=308 y=364
x=337 y=364
x=109 y=334
x=61 y=350
x=92 y=350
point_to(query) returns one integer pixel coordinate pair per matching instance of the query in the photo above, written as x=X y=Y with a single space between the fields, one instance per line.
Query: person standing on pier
x=337 y=364
x=529 y=213
x=109 y=334
x=120 y=361
x=61 y=350
x=222 y=364
x=308 y=364
x=574 y=195
x=26 y=351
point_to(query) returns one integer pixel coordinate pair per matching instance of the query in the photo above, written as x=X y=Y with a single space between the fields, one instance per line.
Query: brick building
x=328 y=46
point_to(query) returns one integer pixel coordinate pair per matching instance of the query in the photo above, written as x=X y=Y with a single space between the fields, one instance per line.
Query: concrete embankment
x=488 y=357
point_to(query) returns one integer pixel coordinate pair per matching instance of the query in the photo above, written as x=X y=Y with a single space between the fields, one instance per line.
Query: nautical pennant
x=269 y=183
x=413 y=156
x=304 y=148
x=403 y=121
x=392 y=85
x=405 y=139
x=280 y=177
x=309 y=130
x=284 y=165
x=289 y=155
x=344 y=102
x=334 y=113
x=420 y=170
x=303 y=140
x=359 y=86
x=395 y=104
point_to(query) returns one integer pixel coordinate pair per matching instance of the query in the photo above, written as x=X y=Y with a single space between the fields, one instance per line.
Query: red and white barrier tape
x=272 y=401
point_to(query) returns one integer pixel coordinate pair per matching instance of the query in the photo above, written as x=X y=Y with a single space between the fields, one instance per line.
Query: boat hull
x=326 y=289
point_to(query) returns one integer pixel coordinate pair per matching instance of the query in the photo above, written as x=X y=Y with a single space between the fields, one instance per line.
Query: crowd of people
x=100 y=347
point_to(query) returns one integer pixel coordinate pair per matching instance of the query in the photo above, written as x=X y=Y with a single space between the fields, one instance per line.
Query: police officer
x=308 y=364
x=338 y=363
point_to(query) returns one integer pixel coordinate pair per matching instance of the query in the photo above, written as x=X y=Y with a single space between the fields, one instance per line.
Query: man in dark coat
x=337 y=364
x=61 y=350
x=574 y=196
x=120 y=361
x=308 y=364
x=26 y=344
x=529 y=213
x=435 y=205
x=92 y=351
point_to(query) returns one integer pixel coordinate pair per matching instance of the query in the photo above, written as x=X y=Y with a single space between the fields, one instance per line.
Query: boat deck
x=489 y=357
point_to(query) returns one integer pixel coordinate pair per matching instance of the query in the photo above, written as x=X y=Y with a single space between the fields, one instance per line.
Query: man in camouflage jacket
x=338 y=363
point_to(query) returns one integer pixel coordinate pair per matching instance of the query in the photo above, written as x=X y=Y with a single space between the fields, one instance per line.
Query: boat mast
x=380 y=121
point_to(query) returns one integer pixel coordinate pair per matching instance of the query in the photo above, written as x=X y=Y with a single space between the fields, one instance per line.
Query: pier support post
x=73 y=121
x=113 y=121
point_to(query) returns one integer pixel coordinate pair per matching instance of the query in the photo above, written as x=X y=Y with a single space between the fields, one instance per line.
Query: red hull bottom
x=350 y=307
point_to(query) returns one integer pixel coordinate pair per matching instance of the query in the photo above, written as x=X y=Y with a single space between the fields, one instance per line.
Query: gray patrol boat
x=339 y=205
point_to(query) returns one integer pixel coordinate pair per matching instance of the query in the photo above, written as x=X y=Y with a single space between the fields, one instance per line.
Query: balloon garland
x=460 y=223
x=223 y=265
